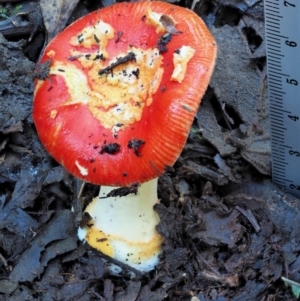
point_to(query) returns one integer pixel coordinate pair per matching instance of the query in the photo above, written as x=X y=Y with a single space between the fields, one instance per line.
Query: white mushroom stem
x=124 y=227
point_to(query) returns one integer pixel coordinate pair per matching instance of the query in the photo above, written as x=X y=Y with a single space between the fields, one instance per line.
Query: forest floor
x=230 y=234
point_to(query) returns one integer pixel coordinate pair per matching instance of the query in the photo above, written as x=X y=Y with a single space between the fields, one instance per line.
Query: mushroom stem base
x=124 y=227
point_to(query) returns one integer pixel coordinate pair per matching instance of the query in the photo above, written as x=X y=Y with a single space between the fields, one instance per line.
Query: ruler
x=282 y=28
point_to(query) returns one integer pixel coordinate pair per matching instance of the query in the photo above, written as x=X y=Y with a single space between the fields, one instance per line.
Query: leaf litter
x=230 y=234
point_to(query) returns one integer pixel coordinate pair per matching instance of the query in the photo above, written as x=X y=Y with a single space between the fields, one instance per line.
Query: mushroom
x=123 y=87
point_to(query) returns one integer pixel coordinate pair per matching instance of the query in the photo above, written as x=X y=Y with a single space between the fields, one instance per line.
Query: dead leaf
x=56 y=14
x=220 y=229
x=169 y=24
x=60 y=228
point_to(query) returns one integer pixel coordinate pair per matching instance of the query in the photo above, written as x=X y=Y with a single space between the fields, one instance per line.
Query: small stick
x=4 y=262
x=78 y=187
x=249 y=215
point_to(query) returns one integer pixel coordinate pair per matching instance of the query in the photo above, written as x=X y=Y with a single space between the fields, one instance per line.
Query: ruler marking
x=275 y=61
x=287 y=146
x=277 y=173
x=277 y=23
x=274 y=86
x=275 y=37
x=284 y=111
x=276 y=69
x=274 y=9
x=273 y=117
x=278 y=121
x=277 y=91
x=277 y=85
x=278 y=61
x=279 y=124
x=280 y=73
x=281 y=164
x=274 y=15
x=273 y=5
x=277 y=49
x=272 y=63
x=267 y=1
x=277 y=136
x=275 y=43
x=268 y=10
x=274 y=111
x=276 y=53
x=278 y=35
x=278 y=169
x=272 y=94
x=276 y=64
x=270 y=81
x=278 y=129
x=277 y=157
x=272 y=27
x=275 y=76
x=269 y=39
x=275 y=80
x=278 y=181
x=278 y=132
x=275 y=140
x=280 y=111
x=275 y=94
x=276 y=56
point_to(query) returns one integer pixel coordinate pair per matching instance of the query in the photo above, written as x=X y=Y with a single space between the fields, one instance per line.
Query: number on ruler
x=292 y=82
x=291 y=43
x=293 y=186
x=294 y=118
x=292 y=153
x=288 y=4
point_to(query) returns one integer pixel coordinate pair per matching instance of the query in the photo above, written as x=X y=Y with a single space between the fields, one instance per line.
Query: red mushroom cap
x=122 y=91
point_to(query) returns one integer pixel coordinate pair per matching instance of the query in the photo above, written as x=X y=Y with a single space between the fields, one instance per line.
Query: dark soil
x=230 y=234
